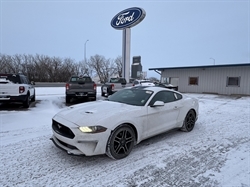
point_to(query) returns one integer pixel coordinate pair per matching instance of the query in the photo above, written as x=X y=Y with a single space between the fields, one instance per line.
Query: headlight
x=92 y=129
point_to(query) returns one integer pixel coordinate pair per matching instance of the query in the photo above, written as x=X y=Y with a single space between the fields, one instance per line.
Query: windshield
x=80 y=79
x=132 y=96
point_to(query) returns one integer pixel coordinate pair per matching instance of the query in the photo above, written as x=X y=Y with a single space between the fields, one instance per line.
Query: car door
x=162 y=118
x=28 y=83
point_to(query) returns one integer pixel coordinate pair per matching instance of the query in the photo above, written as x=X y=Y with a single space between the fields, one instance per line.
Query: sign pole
x=126 y=43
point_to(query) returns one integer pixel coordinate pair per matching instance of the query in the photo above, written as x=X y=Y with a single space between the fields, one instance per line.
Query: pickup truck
x=80 y=87
x=166 y=85
x=16 y=88
x=113 y=86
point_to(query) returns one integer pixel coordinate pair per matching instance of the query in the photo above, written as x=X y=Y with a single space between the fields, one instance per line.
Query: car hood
x=92 y=112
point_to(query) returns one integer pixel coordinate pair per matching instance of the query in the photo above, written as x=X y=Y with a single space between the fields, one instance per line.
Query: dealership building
x=227 y=79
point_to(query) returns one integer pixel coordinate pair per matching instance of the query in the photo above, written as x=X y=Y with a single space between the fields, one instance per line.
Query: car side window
x=136 y=82
x=170 y=97
x=178 y=96
x=73 y=79
x=27 y=79
x=164 y=96
x=24 y=80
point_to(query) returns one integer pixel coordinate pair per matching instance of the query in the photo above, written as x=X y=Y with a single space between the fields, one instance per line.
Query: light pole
x=85 y=51
x=213 y=60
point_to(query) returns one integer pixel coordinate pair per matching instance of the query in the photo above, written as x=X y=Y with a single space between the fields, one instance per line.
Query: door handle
x=175 y=107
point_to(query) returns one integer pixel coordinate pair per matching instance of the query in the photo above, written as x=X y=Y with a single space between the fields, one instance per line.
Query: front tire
x=189 y=121
x=33 y=98
x=120 y=142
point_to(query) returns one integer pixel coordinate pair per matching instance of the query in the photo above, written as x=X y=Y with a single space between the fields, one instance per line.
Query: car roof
x=152 y=88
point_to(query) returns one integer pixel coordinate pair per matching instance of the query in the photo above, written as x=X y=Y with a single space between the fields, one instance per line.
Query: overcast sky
x=173 y=33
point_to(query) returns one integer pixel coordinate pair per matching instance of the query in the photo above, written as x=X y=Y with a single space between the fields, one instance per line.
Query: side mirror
x=158 y=103
x=32 y=83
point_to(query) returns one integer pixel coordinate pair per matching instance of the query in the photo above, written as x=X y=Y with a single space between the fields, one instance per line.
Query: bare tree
x=104 y=68
x=68 y=68
x=6 y=65
x=118 y=64
x=43 y=68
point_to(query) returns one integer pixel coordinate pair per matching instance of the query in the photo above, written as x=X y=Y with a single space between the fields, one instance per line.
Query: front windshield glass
x=137 y=97
x=145 y=81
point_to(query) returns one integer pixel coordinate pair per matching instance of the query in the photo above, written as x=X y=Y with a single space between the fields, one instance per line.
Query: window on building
x=233 y=81
x=193 y=80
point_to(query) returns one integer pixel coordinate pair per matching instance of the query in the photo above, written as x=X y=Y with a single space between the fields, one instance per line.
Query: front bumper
x=83 y=143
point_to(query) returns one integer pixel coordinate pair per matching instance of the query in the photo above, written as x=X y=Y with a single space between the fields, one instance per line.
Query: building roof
x=207 y=66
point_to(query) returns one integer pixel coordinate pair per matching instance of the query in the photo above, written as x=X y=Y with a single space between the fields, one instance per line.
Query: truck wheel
x=34 y=97
x=67 y=99
x=26 y=103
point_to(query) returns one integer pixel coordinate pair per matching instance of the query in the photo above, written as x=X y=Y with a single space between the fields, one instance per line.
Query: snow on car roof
x=153 y=88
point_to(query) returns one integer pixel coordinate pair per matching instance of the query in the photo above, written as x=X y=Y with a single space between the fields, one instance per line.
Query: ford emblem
x=128 y=18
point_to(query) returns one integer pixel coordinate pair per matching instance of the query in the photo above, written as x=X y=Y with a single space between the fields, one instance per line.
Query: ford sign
x=128 y=18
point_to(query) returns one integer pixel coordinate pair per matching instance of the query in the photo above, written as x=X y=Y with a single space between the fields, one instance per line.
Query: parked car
x=143 y=83
x=80 y=87
x=114 y=85
x=166 y=85
x=113 y=126
x=16 y=88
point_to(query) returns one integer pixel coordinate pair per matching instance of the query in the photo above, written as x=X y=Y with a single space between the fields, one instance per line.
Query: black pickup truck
x=80 y=87
x=113 y=86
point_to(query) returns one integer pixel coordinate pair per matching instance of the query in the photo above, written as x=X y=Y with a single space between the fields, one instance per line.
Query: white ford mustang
x=127 y=117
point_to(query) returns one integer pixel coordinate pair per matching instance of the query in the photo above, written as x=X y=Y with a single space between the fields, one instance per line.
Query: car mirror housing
x=158 y=103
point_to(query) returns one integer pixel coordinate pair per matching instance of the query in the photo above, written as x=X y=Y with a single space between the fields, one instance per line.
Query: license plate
x=82 y=94
x=104 y=90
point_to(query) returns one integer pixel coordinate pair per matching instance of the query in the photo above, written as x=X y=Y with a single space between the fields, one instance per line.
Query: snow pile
x=215 y=153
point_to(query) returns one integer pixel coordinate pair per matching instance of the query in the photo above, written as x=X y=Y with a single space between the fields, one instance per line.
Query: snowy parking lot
x=215 y=153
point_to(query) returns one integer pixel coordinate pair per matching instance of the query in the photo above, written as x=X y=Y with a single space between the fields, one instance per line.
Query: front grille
x=62 y=130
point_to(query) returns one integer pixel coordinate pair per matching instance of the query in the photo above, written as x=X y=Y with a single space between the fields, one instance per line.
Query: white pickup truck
x=16 y=88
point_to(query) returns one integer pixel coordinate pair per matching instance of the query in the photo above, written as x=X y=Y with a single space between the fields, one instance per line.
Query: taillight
x=67 y=86
x=21 y=89
x=112 y=86
x=94 y=86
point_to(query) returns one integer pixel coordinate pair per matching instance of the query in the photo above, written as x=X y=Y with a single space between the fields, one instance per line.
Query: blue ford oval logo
x=128 y=18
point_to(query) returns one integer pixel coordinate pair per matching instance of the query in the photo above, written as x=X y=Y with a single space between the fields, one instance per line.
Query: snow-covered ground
x=215 y=153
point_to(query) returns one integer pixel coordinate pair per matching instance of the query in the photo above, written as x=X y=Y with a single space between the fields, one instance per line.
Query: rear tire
x=67 y=99
x=189 y=121
x=120 y=142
